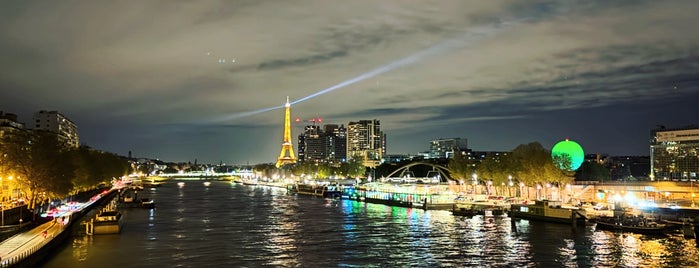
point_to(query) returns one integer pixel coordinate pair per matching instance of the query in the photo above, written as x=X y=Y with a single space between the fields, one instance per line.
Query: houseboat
x=550 y=211
x=108 y=222
x=487 y=207
x=326 y=191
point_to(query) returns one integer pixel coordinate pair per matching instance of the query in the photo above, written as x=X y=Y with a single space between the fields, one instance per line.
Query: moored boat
x=630 y=223
x=550 y=211
x=327 y=191
x=465 y=210
x=108 y=222
x=468 y=209
x=147 y=203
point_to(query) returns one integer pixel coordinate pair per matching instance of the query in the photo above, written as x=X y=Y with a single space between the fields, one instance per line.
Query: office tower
x=366 y=142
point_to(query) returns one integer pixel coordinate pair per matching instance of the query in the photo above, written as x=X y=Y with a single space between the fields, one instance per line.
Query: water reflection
x=226 y=225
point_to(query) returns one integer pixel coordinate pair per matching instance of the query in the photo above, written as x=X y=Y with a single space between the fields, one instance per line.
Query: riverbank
x=30 y=247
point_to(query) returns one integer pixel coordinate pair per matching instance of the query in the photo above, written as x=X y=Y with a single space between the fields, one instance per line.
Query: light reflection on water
x=226 y=225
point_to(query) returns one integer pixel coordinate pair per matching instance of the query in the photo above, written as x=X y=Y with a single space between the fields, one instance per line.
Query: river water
x=233 y=225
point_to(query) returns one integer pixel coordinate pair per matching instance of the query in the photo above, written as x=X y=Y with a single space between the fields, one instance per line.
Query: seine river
x=232 y=225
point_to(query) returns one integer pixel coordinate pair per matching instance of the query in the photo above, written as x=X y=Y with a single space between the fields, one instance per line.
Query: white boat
x=180 y=184
x=207 y=183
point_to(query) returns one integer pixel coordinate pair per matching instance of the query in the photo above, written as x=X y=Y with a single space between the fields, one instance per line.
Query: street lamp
x=509 y=182
x=509 y=189
x=2 y=203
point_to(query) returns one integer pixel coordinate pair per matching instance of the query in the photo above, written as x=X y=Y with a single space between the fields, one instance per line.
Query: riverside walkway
x=18 y=248
x=24 y=244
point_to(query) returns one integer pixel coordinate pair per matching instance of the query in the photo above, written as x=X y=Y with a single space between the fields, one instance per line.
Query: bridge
x=204 y=174
x=438 y=174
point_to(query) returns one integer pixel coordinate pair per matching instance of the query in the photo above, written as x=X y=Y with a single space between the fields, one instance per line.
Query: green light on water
x=571 y=150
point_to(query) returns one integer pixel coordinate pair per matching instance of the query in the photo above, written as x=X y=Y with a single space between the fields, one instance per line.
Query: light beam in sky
x=250 y=113
x=443 y=47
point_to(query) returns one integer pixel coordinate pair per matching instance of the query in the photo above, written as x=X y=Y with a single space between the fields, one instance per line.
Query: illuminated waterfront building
x=366 y=142
x=674 y=153
x=56 y=122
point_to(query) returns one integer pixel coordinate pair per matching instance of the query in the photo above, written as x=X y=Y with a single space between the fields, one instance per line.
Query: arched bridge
x=438 y=174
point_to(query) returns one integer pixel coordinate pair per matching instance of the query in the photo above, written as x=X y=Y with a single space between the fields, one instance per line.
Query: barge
x=108 y=222
x=549 y=211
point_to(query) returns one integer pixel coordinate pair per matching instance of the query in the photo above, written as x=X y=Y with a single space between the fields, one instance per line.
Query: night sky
x=206 y=80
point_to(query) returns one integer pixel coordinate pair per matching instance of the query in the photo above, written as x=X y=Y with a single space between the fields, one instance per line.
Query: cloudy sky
x=185 y=80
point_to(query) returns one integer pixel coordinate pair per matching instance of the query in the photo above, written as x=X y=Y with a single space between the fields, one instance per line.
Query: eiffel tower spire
x=287 y=154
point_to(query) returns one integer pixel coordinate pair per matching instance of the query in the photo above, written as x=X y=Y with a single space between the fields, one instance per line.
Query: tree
x=460 y=168
x=535 y=167
x=353 y=168
x=93 y=167
x=525 y=159
x=266 y=169
x=41 y=163
x=592 y=171
x=496 y=169
x=304 y=168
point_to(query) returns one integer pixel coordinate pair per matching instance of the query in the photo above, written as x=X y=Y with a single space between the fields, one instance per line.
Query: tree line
x=47 y=168
x=529 y=164
x=351 y=168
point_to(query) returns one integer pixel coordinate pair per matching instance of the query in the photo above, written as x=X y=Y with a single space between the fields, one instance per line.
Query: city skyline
x=208 y=80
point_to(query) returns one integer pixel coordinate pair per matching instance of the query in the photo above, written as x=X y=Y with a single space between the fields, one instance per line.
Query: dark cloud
x=147 y=76
x=299 y=62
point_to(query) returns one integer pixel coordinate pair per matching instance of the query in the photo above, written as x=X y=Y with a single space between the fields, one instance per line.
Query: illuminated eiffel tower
x=287 y=154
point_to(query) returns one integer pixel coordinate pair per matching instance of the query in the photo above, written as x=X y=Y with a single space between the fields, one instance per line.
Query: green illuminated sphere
x=571 y=150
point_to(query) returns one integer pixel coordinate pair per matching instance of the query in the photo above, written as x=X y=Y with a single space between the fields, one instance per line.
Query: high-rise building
x=674 y=153
x=311 y=144
x=336 y=141
x=325 y=144
x=366 y=142
x=56 y=122
x=446 y=148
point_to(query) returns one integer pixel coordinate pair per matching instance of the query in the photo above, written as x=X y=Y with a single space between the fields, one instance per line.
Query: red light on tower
x=313 y=120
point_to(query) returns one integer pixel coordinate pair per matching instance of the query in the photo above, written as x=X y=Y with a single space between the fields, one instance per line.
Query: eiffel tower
x=287 y=154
